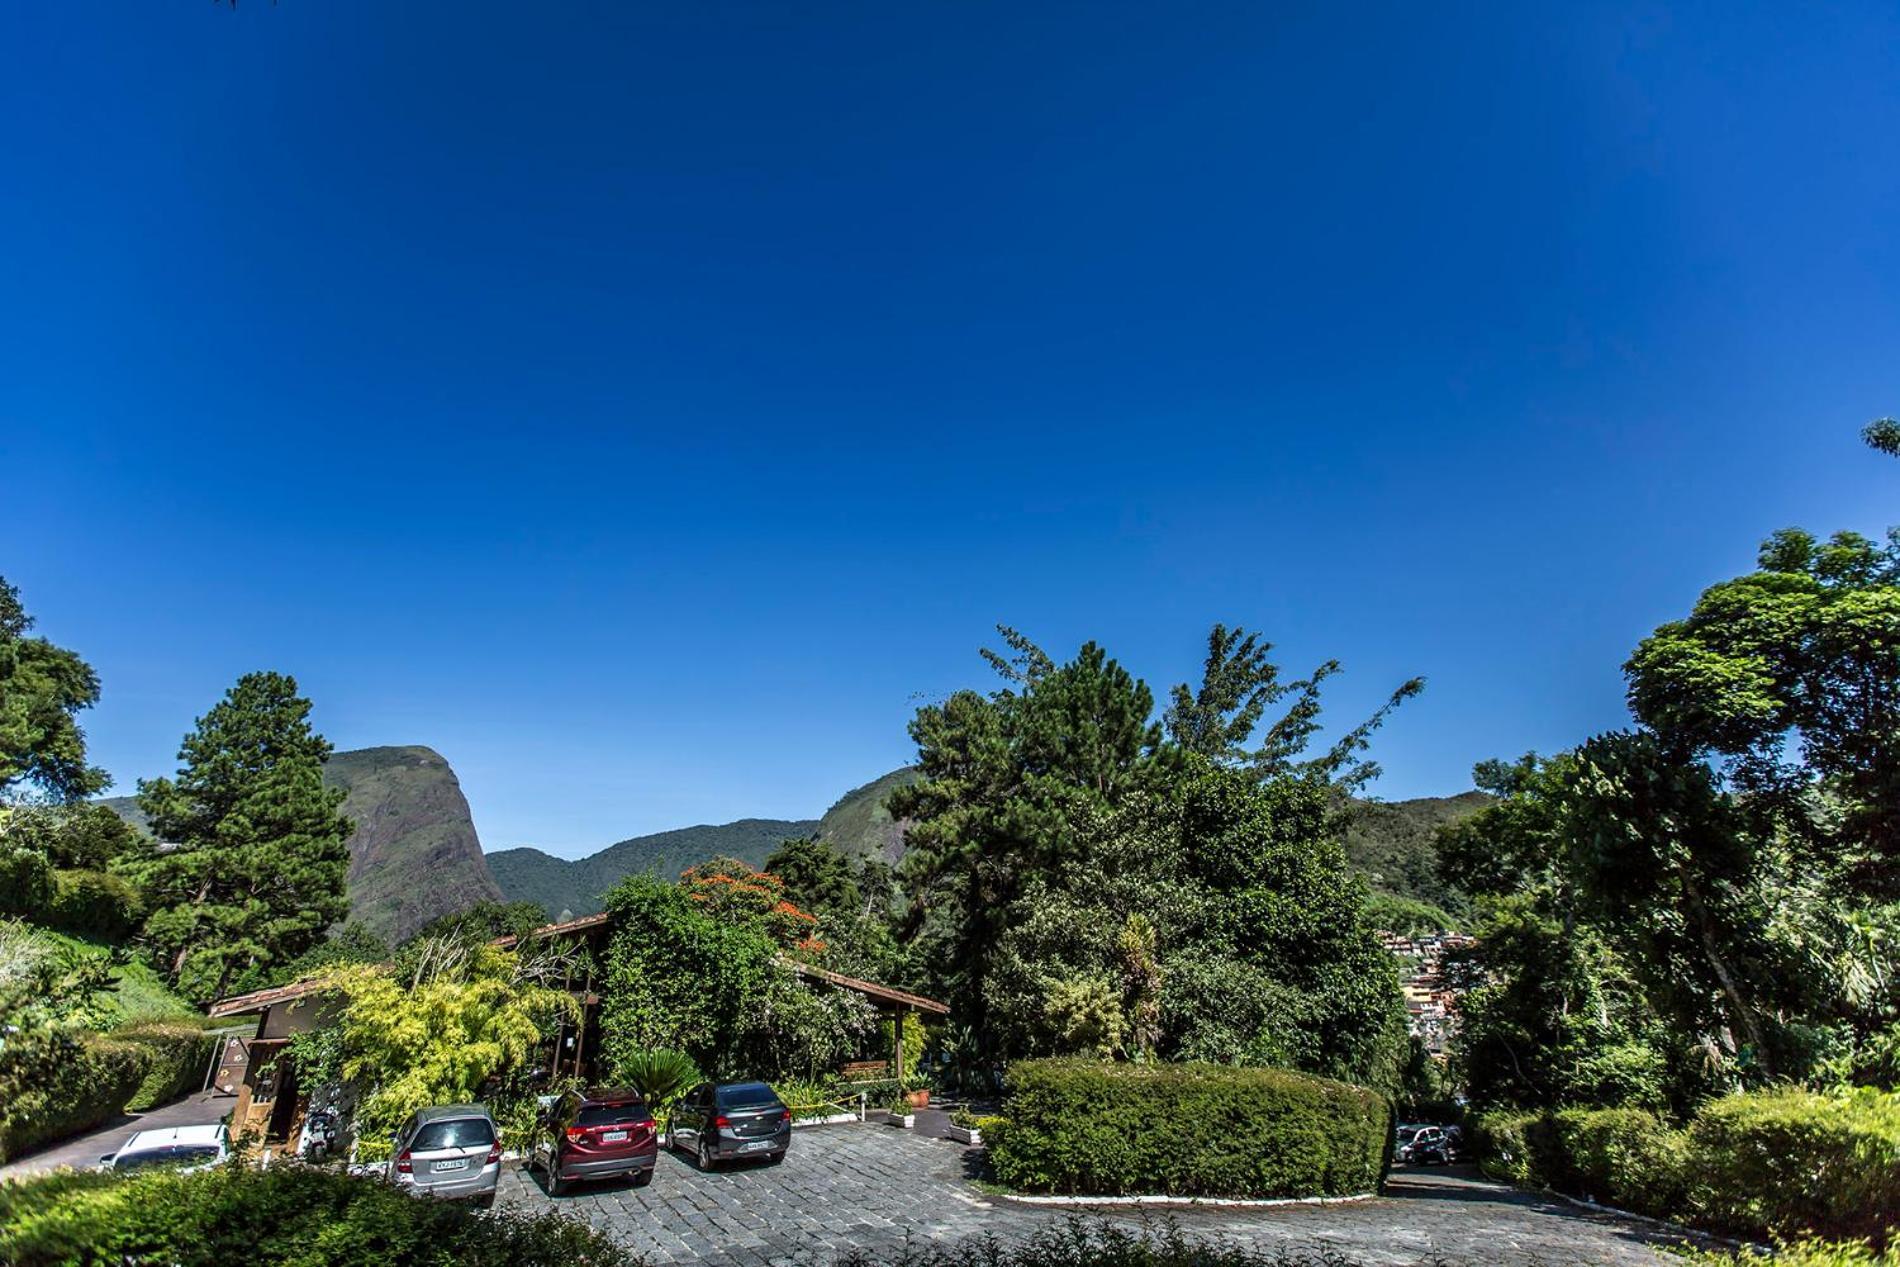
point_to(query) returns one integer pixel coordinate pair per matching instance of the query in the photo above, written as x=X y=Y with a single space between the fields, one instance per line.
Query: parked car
x=186 y=1147
x=449 y=1151
x=1420 y=1145
x=1403 y=1134
x=596 y=1134
x=728 y=1120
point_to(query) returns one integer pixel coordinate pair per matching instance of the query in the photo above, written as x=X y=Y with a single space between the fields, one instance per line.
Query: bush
x=1624 y=1157
x=1190 y=1130
x=1791 y=1163
x=26 y=882
x=287 y=1214
x=95 y=904
x=180 y=1059
x=55 y=1083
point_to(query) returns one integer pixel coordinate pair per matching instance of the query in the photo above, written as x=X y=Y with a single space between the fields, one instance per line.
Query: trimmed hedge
x=1784 y=1163
x=286 y=1214
x=57 y=1083
x=1788 y=1162
x=180 y=1059
x=1075 y=1126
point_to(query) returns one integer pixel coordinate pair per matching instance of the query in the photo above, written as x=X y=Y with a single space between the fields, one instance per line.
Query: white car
x=185 y=1147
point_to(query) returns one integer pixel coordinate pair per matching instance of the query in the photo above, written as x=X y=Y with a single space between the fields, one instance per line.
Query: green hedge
x=180 y=1059
x=55 y=1083
x=286 y=1214
x=1084 y=1127
x=1790 y=1162
x=1783 y=1163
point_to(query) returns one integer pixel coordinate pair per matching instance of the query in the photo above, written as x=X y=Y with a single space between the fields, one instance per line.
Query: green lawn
x=140 y=993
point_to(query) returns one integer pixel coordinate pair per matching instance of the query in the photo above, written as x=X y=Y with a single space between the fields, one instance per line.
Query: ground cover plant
x=289 y=1214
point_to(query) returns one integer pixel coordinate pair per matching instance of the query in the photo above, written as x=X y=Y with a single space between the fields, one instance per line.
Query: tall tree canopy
x=43 y=689
x=1085 y=878
x=254 y=856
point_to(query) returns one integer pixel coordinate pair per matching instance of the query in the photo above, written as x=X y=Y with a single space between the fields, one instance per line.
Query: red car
x=595 y=1134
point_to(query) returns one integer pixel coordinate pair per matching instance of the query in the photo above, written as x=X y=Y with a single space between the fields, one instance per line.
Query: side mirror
x=108 y=1159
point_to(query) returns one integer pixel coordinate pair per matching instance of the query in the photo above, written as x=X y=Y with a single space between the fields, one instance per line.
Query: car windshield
x=456 y=1132
x=170 y=1155
x=612 y=1114
x=748 y=1095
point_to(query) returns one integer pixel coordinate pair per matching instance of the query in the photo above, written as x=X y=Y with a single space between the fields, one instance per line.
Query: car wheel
x=555 y=1186
x=705 y=1154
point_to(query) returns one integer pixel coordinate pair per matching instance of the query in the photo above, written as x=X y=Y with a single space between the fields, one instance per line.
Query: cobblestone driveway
x=869 y=1186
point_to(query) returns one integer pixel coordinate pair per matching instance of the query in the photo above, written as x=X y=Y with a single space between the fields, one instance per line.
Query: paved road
x=85 y=1150
x=870 y=1186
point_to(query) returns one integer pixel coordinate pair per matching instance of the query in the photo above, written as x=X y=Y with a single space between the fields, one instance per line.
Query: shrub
x=1503 y=1143
x=26 y=881
x=95 y=904
x=1791 y=1162
x=180 y=1058
x=1625 y=1157
x=287 y=1214
x=55 y=1083
x=1191 y=1130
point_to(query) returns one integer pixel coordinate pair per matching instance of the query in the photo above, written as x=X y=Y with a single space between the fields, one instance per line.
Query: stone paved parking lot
x=870 y=1186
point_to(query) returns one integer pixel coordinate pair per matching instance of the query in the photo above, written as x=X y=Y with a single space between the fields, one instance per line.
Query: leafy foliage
x=706 y=978
x=289 y=1214
x=460 y=1015
x=1188 y=1130
x=1079 y=883
x=43 y=689
x=660 y=1076
x=257 y=862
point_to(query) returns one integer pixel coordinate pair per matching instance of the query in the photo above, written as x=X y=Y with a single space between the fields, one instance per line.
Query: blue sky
x=648 y=405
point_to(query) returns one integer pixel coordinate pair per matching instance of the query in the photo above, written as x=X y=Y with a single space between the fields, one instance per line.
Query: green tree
x=255 y=857
x=43 y=689
x=816 y=876
x=1790 y=677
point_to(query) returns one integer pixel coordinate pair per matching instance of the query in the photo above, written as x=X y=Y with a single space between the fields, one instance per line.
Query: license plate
x=755 y=1145
x=612 y=1137
x=451 y=1165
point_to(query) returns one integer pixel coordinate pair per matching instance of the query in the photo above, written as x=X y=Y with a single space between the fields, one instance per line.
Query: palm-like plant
x=659 y=1075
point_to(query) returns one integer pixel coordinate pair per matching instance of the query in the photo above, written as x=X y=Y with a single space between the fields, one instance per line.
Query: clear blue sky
x=647 y=404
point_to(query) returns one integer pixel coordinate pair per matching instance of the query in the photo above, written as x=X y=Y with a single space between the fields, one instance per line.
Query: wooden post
x=580 y=1039
x=897 y=1060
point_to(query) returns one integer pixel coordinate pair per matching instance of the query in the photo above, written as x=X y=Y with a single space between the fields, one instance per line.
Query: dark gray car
x=453 y=1151
x=729 y=1121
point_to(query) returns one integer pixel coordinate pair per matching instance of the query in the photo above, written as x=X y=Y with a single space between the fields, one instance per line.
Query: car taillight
x=402 y=1164
x=785 y=1116
x=494 y=1153
x=576 y=1132
x=722 y=1121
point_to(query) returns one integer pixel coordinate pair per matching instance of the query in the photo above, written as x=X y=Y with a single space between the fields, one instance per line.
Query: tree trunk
x=1751 y=1023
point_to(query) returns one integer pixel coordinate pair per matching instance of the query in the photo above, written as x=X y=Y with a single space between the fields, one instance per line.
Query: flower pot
x=919 y=1099
x=966 y=1134
x=902 y=1121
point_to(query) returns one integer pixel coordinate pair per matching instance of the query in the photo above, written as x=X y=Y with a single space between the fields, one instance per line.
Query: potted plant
x=918 y=1097
x=900 y=1112
x=964 y=1127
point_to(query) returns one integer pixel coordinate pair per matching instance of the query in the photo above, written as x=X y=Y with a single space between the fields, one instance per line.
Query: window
x=613 y=1114
x=456 y=1132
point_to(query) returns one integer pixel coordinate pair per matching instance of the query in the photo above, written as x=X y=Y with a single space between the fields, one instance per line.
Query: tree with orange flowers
x=732 y=891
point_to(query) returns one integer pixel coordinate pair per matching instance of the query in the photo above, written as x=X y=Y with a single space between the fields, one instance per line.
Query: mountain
x=575 y=886
x=415 y=855
x=1391 y=844
x=859 y=825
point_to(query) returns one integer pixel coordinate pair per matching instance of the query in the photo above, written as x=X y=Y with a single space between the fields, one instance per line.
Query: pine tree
x=254 y=854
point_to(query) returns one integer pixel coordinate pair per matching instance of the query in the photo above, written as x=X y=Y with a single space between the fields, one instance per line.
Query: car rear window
x=171 y=1155
x=612 y=1114
x=748 y=1095
x=456 y=1132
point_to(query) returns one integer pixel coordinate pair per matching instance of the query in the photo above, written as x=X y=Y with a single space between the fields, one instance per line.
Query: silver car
x=451 y=1151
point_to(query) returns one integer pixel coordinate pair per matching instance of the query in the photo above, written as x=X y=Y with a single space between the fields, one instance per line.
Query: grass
x=139 y=994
